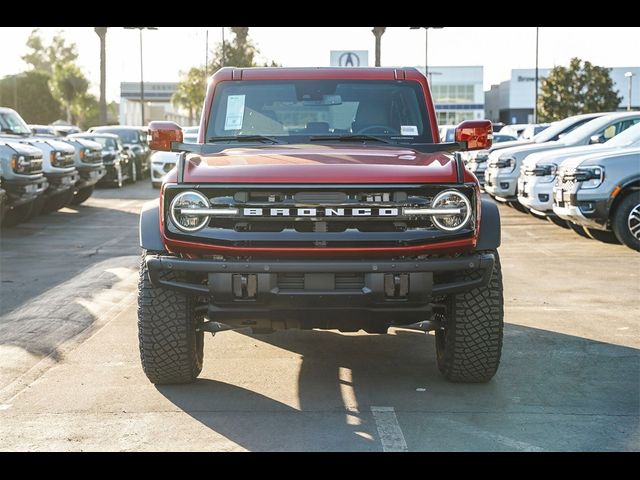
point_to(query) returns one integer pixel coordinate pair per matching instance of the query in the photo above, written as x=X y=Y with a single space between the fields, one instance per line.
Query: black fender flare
x=489 y=226
x=150 y=236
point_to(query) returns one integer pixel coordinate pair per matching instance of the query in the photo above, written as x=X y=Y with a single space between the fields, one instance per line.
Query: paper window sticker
x=408 y=130
x=235 y=112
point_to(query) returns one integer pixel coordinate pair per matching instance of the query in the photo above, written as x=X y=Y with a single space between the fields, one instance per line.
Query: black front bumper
x=60 y=182
x=89 y=175
x=21 y=191
x=321 y=292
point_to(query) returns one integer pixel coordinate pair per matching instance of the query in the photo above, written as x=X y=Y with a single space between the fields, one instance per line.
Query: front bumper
x=21 y=191
x=90 y=175
x=319 y=292
x=535 y=195
x=60 y=182
x=500 y=185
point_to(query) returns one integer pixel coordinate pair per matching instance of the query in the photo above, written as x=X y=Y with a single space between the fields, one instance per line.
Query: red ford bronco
x=320 y=198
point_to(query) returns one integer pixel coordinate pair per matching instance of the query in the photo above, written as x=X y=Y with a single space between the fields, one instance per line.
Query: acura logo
x=320 y=212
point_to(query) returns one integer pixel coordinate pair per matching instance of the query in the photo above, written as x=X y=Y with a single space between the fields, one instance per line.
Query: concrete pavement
x=70 y=376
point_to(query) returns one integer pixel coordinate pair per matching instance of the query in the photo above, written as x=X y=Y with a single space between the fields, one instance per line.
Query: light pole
x=630 y=76
x=141 y=75
x=426 y=48
x=535 y=111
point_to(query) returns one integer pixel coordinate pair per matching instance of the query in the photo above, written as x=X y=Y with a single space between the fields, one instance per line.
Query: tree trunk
x=102 y=33
x=378 y=32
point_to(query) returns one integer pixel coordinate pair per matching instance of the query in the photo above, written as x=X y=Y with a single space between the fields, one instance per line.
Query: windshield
x=556 y=128
x=627 y=138
x=12 y=123
x=127 y=136
x=295 y=110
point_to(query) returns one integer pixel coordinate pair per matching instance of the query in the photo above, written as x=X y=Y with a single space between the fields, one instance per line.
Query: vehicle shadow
x=545 y=378
x=53 y=249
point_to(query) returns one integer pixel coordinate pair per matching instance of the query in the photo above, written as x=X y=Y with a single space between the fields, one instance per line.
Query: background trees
x=579 y=88
x=239 y=52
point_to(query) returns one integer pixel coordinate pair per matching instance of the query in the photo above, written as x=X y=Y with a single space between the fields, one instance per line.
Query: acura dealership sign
x=349 y=58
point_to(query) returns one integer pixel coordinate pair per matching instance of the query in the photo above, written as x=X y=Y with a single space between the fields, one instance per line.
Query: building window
x=453 y=117
x=452 y=93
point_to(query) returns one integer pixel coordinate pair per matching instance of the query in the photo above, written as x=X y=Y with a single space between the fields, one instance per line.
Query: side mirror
x=162 y=134
x=477 y=133
x=594 y=139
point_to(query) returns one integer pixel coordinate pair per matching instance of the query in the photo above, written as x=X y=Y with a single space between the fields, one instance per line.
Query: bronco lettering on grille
x=320 y=212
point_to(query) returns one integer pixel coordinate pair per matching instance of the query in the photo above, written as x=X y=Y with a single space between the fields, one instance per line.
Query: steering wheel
x=384 y=128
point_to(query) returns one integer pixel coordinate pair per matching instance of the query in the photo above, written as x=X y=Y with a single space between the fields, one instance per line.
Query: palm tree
x=102 y=33
x=378 y=32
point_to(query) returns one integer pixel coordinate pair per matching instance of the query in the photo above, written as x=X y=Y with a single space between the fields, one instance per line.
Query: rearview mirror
x=162 y=134
x=478 y=134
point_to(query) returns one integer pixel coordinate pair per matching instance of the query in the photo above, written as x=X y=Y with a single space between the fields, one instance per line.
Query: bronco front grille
x=319 y=216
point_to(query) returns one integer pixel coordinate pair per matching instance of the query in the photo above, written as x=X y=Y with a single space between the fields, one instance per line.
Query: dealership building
x=513 y=100
x=458 y=93
x=157 y=104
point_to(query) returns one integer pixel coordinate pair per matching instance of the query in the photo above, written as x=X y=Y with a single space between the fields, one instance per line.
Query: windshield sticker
x=408 y=130
x=235 y=112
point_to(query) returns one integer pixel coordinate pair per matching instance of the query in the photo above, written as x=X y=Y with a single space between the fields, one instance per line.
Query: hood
x=510 y=143
x=599 y=158
x=321 y=164
x=83 y=142
x=522 y=151
x=22 y=148
x=557 y=156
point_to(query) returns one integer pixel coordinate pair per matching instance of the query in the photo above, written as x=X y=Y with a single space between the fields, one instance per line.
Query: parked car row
x=581 y=173
x=44 y=168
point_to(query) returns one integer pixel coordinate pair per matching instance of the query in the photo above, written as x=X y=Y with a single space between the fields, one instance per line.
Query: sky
x=170 y=50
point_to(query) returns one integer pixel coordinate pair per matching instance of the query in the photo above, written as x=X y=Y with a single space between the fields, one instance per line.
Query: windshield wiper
x=245 y=138
x=347 y=138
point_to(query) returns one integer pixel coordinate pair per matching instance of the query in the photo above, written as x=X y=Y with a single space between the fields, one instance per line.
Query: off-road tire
x=57 y=202
x=83 y=195
x=17 y=215
x=579 y=229
x=620 y=219
x=468 y=349
x=560 y=222
x=602 y=235
x=133 y=172
x=171 y=348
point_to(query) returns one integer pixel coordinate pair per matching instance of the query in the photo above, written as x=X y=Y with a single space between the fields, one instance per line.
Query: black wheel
x=133 y=171
x=558 y=221
x=578 y=229
x=171 y=347
x=57 y=202
x=469 y=346
x=518 y=206
x=83 y=195
x=626 y=221
x=119 y=177
x=17 y=215
x=602 y=235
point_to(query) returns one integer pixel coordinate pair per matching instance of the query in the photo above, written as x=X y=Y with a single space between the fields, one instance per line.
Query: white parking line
x=389 y=431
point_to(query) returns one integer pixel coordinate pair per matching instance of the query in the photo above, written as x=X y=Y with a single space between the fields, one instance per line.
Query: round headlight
x=180 y=207
x=456 y=201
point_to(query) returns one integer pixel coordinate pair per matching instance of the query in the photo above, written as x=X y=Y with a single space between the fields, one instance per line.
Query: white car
x=503 y=166
x=161 y=164
x=538 y=173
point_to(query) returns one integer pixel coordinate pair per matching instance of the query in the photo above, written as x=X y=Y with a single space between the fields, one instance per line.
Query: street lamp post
x=426 y=48
x=141 y=75
x=629 y=75
x=535 y=110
